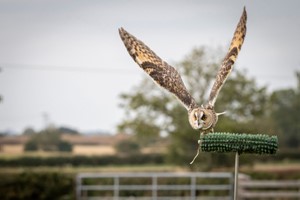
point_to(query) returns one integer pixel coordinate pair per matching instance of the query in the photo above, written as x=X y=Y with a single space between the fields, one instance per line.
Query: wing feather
x=230 y=58
x=161 y=72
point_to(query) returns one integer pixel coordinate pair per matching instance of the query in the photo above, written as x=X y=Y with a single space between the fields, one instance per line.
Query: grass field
x=291 y=168
x=74 y=170
x=12 y=149
x=16 y=151
x=275 y=167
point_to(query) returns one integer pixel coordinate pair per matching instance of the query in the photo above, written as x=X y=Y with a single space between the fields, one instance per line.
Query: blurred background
x=72 y=100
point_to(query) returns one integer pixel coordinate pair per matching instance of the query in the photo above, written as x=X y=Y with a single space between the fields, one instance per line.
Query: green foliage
x=68 y=130
x=64 y=146
x=75 y=161
x=211 y=159
x=28 y=131
x=43 y=186
x=285 y=112
x=127 y=147
x=146 y=131
x=31 y=145
x=47 y=140
x=242 y=98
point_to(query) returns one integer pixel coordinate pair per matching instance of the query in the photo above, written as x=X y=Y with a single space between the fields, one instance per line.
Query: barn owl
x=204 y=117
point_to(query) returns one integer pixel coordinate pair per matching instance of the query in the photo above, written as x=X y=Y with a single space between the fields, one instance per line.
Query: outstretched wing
x=229 y=59
x=161 y=72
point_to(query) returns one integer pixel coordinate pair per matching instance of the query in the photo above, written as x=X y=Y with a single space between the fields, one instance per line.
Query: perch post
x=236 y=175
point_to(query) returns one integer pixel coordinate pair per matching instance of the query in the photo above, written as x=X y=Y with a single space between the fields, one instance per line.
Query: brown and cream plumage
x=231 y=56
x=200 y=117
x=161 y=72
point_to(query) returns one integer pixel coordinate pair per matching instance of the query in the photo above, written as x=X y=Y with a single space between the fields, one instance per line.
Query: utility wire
x=65 y=68
x=98 y=70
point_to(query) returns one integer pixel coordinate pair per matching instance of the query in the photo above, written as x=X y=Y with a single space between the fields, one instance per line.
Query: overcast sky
x=63 y=61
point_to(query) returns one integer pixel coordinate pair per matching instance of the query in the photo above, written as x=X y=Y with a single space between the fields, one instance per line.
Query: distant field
x=12 y=149
x=277 y=167
x=69 y=169
x=93 y=150
x=82 y=145
x=16 y=150
x=78 y=149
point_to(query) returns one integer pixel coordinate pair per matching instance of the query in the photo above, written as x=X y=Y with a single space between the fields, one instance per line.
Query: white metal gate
x=154 y=186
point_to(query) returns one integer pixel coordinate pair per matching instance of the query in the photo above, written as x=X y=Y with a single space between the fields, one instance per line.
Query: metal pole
x=116 y=187
x=154 y=187
x=193 y=187
x=236 y=174
x=78 y=187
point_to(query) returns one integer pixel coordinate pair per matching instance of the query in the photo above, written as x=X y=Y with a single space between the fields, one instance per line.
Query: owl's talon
x=199 y=147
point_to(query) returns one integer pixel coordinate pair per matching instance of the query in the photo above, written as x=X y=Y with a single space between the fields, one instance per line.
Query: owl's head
x=203 y=118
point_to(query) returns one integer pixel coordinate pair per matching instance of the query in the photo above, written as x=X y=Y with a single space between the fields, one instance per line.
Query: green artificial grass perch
x=241 y=143
x=237 y=142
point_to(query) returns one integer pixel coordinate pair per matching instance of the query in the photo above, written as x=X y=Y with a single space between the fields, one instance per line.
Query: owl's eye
x=203 y=117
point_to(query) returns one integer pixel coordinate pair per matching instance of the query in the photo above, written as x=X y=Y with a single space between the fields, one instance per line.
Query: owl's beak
x=200 y=121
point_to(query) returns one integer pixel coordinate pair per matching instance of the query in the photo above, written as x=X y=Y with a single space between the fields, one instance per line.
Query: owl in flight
x=201 y=117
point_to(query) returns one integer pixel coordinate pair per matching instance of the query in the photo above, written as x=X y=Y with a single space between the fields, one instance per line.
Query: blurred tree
x=31 y=145
x=151 y=112
x=127 y=147
x=64 y=146
x=48 y=139
x=28 y=131
x=68 y=130
x=285 y=112
x=242 y=98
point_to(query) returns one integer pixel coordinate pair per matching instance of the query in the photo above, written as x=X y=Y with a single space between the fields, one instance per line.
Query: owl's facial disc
x=202 y=118
x=196 y=118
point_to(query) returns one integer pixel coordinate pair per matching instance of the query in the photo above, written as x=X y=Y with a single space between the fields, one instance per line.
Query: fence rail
x=262 y=189
x=180 y=186
x=154 y=186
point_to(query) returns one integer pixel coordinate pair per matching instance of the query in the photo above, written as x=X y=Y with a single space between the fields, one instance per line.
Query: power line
x=65 y=68
x=99 y=70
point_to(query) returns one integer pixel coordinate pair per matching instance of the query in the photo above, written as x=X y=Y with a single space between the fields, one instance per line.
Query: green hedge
x=218 y=159
x=82 y=160
x=42 y=186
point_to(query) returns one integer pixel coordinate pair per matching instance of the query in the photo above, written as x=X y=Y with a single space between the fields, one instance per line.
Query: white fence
x=154 y=186
x=268 y=189
x=180 y=186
